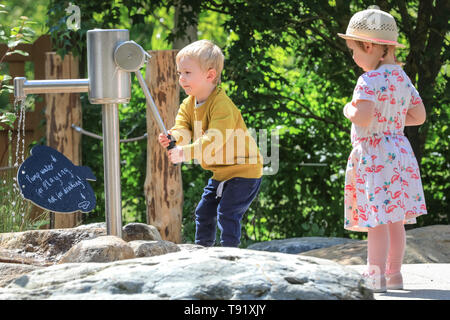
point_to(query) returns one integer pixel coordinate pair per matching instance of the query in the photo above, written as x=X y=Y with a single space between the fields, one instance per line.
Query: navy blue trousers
x=226 y=211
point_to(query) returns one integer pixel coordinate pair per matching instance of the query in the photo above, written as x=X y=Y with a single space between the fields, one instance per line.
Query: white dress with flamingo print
x=382 y=180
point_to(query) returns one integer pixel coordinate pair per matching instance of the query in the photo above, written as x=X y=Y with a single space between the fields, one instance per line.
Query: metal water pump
x=111 y=57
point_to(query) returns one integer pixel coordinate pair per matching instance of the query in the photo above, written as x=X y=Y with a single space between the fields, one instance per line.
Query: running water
x=14 y=209
x=19 y=108
x=20 y=147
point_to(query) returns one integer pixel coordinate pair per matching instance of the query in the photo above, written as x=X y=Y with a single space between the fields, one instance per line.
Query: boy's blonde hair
x=207 y=54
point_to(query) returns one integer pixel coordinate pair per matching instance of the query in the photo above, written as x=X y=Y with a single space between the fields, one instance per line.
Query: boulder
x=40 y=248
x=100 y=249
x=143 y=248
x=11 y=271
x=140 y=231
x=189 y=246
x=45 y=247
x=298 y=245
x=429 y=244
x=210 y=273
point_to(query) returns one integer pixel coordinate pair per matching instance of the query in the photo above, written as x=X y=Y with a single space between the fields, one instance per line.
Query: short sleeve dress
x=382 y=179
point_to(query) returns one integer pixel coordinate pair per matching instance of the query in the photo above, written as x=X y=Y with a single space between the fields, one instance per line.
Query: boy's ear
x=211 y=74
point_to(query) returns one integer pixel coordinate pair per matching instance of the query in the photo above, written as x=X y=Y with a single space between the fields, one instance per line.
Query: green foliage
x=15 y=211
x=435 y=169
x=286 y=69
x=13 y=35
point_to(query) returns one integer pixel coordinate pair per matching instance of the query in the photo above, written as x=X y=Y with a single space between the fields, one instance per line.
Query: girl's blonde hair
x=207 y=54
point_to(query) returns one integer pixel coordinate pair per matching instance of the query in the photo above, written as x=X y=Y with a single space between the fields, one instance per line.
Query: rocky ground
x=423 y=245
x=85 y=263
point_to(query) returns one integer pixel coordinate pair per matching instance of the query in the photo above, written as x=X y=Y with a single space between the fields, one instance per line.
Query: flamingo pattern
x=382 y=180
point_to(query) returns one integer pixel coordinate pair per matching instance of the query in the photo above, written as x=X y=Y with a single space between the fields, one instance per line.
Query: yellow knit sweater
x=222 y=143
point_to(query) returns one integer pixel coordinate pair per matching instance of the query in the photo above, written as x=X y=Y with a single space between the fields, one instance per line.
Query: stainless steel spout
x=23 y=87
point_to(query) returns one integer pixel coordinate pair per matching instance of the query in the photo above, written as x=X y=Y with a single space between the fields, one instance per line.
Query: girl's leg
x=377 y=252
x=397 y=245
x=377 y=249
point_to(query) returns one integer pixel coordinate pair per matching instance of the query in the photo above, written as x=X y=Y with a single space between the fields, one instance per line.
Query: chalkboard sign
x=51 y=181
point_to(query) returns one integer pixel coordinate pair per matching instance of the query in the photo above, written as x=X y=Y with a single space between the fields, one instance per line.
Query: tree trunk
x=163 y=185
x=62 y=110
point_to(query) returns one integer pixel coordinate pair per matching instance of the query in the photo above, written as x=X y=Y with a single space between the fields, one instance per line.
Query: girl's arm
x=360 y=112
x=416 y=115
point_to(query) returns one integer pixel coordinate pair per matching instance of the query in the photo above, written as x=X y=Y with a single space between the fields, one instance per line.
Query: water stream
x=16 y=203
x=19 y=106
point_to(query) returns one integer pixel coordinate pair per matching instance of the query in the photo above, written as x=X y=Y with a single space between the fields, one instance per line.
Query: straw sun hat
x=372 y=25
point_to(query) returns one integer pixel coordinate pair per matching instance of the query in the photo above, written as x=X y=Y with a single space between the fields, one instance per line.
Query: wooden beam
x=61 y=111
x=163 y=186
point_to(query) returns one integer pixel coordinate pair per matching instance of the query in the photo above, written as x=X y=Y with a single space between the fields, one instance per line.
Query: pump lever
x=154 y=110
x=130 y=57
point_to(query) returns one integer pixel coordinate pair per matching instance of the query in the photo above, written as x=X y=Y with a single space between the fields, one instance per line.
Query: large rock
x=189 y=247
x=143 y=248
x=140 y=231
x=212 y=273
x=298 y=245
x=11 y=271
x=45 y=247
x=423 y=245
x=100 y=249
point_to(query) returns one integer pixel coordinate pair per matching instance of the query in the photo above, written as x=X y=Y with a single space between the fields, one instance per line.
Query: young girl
x=383 y=189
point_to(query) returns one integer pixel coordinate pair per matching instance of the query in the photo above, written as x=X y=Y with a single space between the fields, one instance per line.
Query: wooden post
x=163 y=185
x=62 y=110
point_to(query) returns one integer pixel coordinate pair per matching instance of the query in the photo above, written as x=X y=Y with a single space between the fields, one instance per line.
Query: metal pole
x=151 y=103
x=109 y=86
x=111 y=156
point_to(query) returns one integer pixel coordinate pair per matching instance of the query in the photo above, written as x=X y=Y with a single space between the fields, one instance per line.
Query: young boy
x=213 y=120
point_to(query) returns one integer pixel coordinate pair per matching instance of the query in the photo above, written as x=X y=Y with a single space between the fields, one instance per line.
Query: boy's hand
x=163 y=140
x=176 y=155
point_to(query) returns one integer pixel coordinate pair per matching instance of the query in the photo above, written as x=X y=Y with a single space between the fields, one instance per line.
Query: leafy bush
x=285 y=69
x=12 y=36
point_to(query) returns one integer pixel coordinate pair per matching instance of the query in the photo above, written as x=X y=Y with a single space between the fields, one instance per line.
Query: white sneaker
x=376 y=283
x=394 y=281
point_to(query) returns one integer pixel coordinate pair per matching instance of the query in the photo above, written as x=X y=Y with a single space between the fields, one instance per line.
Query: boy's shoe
x=374 y=282
x=394 y=281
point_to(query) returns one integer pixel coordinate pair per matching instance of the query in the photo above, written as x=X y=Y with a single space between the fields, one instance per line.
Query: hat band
x=382 y=40
x=365 y=37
